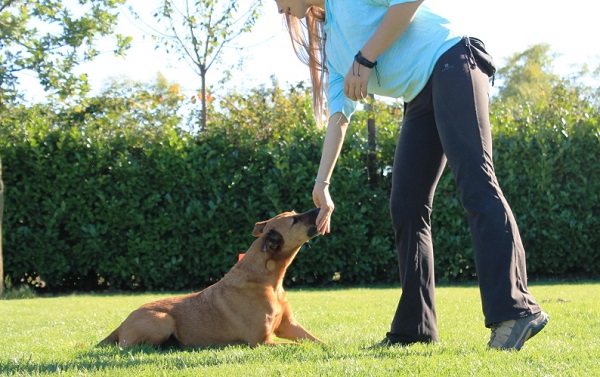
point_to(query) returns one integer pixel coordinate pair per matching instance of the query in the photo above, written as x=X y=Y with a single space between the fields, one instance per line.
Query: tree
x=50 y=38
x=198 y=30
x=528 y=77
x=127 y=108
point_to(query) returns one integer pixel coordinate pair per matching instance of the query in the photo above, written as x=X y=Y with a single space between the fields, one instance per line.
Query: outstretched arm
x=334 y=139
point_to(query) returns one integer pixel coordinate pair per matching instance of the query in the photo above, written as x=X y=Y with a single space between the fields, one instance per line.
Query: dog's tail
x=113 y=338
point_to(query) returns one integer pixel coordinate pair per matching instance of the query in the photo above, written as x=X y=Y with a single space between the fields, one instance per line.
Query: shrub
x=149 y=206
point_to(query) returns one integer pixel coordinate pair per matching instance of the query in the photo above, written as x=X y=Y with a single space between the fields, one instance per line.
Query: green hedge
x=156 y=208
x=547 y=160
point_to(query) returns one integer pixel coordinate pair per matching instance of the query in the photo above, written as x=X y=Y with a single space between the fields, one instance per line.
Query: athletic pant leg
x=460 y=95
x=418 y=164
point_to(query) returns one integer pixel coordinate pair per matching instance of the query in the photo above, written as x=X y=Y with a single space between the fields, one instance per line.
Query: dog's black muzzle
x=311 y=218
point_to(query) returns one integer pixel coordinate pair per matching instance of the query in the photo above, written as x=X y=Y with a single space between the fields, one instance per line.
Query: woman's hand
x=323 y=200
x=356 y=82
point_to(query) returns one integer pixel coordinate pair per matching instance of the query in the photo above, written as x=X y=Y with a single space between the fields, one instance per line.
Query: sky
x=506 y=27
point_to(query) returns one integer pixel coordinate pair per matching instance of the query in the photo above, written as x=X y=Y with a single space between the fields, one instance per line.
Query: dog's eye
x=294 y=220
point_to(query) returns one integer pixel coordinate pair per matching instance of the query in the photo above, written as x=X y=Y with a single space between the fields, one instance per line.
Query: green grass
x=57 y=336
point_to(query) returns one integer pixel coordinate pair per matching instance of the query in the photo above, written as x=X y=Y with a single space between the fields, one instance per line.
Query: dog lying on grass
x=248 y=305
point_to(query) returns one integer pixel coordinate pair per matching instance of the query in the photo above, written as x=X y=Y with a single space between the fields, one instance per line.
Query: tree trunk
x=203 y=118
x=372 y=155
x=1 y=210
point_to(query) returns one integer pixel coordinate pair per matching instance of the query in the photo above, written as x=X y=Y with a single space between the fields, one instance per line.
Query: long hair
x=308 y=41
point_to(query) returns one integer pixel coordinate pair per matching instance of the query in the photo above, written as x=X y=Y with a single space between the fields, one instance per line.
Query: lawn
x=57 y=336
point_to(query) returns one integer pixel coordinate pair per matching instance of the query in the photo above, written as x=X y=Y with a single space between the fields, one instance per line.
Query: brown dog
x=247 y=306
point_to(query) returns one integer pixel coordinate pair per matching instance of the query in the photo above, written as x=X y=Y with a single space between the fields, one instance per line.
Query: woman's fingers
x=356 y=92
x=323 y=200
x=356 y=82
x=324 y=220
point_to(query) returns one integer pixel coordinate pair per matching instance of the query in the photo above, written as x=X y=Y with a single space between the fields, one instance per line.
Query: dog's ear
x=258 y=228
x=273 y=241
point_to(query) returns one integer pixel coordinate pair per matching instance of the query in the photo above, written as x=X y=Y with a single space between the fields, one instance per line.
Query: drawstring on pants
x=471 y=57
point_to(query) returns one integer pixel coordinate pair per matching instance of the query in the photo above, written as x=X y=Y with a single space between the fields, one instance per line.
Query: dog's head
x=285 y=233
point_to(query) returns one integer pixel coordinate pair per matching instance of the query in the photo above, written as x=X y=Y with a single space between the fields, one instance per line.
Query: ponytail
x=308 y=41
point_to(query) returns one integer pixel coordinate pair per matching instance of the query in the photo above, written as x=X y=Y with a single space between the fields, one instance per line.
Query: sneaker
x=513 y=334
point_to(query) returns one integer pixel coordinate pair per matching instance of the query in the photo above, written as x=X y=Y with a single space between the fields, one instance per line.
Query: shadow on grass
x=106 y=358
x=139 y=358
x=103 y=359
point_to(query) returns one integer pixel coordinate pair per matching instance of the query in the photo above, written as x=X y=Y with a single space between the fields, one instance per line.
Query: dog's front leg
x=274 y=343
x=269 y=341
x=292 y=330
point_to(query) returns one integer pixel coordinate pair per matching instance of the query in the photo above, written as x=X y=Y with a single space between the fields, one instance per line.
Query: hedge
x=160 y=209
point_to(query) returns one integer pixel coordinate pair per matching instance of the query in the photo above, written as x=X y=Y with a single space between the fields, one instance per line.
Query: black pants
x=449 y=121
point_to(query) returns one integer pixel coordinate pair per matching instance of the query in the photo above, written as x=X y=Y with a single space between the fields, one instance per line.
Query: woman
x=418 y=56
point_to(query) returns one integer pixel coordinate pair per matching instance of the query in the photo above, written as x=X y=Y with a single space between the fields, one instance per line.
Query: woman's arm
x=334 y=139
x=394 y=23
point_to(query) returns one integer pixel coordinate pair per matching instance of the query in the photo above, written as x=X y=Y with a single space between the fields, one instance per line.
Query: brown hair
x=308 y=40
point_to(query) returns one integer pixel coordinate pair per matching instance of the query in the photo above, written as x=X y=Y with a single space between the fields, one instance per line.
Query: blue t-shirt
x=404 y=68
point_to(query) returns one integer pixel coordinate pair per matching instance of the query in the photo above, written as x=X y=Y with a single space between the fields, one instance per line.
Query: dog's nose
x=310 y=217
x=312 y=214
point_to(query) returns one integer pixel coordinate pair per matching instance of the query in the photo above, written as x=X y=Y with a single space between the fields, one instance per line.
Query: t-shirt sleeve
x=337 y=100
x=389 y=3
x=396 y=2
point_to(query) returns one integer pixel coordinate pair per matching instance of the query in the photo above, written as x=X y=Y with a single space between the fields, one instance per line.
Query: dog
x=248 y=305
